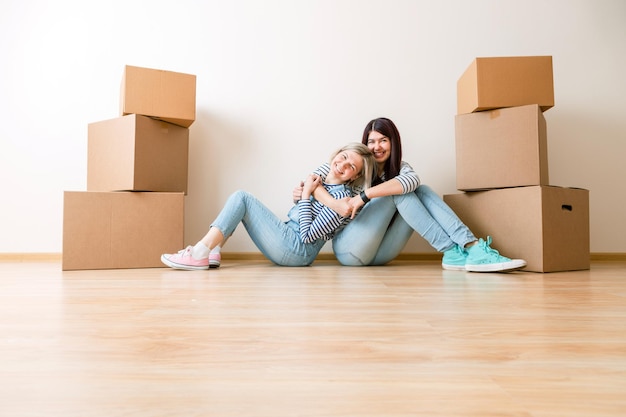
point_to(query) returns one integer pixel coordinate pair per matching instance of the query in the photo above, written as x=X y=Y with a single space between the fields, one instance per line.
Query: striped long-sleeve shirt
x=407 y=177
x=318 y=221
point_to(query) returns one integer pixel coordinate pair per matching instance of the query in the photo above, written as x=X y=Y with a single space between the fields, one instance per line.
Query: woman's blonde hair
x=364 y=179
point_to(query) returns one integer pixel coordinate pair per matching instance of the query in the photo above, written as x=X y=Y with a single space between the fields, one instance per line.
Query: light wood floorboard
x=253 y=339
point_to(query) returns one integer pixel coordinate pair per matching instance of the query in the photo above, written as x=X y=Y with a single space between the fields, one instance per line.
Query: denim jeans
x=383 y=227
x=279 y=241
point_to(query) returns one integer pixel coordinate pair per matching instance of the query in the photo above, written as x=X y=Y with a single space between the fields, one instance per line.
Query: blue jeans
x=279 y=241
x=383 y=227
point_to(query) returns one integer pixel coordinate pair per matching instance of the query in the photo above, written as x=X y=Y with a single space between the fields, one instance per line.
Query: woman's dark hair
x=388 y=129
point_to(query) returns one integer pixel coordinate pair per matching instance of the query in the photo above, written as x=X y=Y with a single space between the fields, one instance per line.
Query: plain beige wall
x=282 y=83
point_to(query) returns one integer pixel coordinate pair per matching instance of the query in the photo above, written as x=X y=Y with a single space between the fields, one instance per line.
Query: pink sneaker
x=214 y=260
x=184 y=260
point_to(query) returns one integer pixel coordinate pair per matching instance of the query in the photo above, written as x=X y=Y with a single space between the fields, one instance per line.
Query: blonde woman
x=295 y=242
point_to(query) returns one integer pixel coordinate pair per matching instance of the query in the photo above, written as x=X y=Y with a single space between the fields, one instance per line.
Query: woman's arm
x=387 y=188
x=384 y=189
x=339 y=206
x=324 y=223
x=405 y=182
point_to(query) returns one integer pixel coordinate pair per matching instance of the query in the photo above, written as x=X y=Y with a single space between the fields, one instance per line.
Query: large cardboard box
x=120 y=230
x=501 y=148
x=165 y=95
x=137 y=153
x=491 y=83
x=545 y=225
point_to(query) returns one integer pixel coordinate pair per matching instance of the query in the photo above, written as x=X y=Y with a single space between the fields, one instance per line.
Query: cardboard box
x=545 y=225
x=165 y=95
x=137 y=153
x=120 y=230
x=501 y=148
x=491 y=83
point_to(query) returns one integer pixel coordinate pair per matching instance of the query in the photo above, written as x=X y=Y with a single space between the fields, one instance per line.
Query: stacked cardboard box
x=502 y=165
x=133 y=209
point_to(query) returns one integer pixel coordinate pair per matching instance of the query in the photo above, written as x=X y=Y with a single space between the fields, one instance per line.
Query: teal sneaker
x=454 y=259
x=481 y=257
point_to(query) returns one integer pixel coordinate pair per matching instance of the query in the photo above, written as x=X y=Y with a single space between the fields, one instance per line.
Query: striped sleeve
x=323 y=171
x=408 y=178
x=318 y=221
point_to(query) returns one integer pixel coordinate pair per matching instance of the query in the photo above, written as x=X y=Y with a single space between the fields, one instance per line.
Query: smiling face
x=380 y=145
x=346 y=166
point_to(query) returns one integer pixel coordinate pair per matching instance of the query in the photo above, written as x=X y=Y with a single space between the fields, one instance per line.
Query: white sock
x=200 y=251
x=216 y=249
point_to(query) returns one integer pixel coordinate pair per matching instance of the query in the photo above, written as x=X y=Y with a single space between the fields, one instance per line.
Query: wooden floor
x=252 y=339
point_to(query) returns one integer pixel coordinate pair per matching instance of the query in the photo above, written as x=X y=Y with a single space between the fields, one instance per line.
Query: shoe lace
x=486 y=246
x=183 y=251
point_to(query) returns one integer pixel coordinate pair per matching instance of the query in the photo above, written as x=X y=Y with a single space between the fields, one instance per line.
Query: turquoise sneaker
x=454 y=259
x=481 y=257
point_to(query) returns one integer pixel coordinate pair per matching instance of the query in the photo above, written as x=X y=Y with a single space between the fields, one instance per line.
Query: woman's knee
x=350 y=259
x=348 y=255
x=240 y=195
x=424 y=189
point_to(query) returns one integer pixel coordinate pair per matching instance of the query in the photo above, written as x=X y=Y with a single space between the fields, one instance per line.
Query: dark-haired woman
x=398 y=205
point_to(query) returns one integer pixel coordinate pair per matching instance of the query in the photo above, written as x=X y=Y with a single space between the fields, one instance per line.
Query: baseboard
x=253 y=257
x=608 y=256
x=30 y=257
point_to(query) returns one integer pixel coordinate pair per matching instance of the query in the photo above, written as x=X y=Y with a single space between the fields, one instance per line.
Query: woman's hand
x=355 y=204
x=310 y=184
x=342 y=207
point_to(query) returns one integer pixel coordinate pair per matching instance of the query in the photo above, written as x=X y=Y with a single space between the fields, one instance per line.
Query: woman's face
x=346 y=166
x=380 y=146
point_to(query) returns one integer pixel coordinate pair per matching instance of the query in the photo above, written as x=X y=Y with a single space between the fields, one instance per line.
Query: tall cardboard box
x=501 y=148
x=120 y=229
x=495 y=82
x=137 y=153
x=547 y=226
x=165 y=95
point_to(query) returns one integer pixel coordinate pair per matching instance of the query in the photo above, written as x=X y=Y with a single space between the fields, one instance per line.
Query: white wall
x=282 y=83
